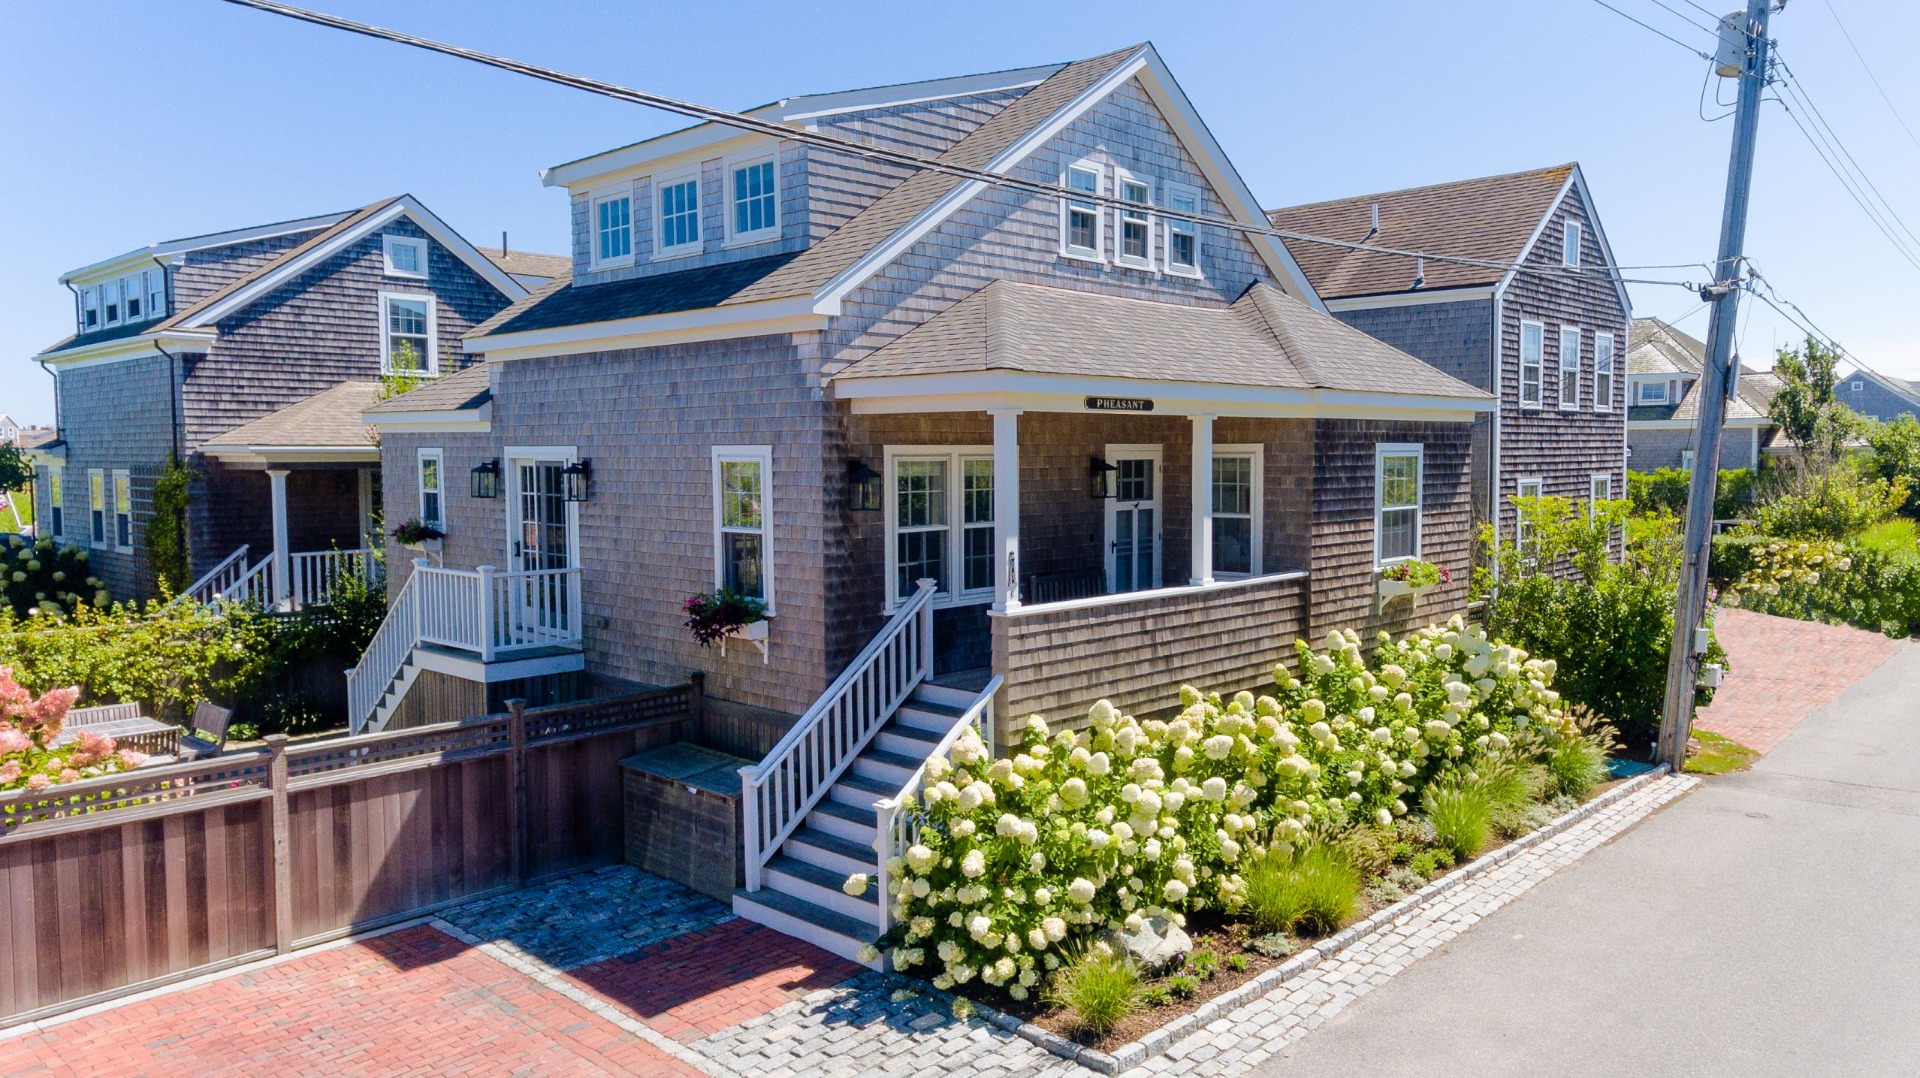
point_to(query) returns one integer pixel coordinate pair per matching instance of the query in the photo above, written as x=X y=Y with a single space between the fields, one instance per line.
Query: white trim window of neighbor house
x=1133 y=222
x=89 y=309
x=1570 y=244
x=940 y=522
x=1651 y=393
x=432 y=472
x=1237 y=510
x=156 y=293
x=741 y=500
x=133 y=295
x=1569 y=368
x=676 y=214
x=754 y=191
x=122 y=511
x=407 y=323
x=1599 y=489
x=97 y=506
x=1183 y=236
x=1397 y=479
x=1522 y=534
x=612 y=223
x=1533 y=343
x=56 y=505
x=1080 y=222
x=1603 y=372
x=404 y=256
x=110 y=303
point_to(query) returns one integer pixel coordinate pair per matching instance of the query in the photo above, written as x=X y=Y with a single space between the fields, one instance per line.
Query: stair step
x=825 y=929
x=907 y=740
x=830 y=851
x=837 y=818
x=936 y=719
x=882 y=766
x=944 y=694
x=820 y=886
x=861 y=792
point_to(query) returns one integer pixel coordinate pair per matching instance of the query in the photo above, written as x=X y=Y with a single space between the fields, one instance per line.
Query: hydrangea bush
x=30 y=725
x=1021 y=861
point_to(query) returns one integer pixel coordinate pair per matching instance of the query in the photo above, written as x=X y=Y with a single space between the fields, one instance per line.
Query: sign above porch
x=1119 y=404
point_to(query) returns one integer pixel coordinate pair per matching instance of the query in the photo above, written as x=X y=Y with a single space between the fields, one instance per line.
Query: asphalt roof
x=329 y=418
x=463 y=391
x=564 y=303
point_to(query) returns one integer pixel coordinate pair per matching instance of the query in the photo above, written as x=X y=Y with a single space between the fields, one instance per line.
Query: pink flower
x=9 y=773
x=95 y=745
x=14 y=741
x=69 y=775
x=38 y=782
x=130 y=759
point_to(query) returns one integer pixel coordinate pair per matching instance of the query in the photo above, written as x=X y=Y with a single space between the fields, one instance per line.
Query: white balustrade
x=777 y=793
x=367 y=681
x=215 y=582
x=897 y=826
x=316 y=573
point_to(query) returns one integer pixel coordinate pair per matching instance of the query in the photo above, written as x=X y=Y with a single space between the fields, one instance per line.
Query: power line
x=1868 y=68
x=1799 y=89
x=1848 y=185
x=1652 y=30
x=1683 y=18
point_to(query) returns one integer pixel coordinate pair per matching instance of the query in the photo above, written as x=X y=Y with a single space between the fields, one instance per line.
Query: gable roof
x=1654 y=347
x=563 y=303
x=1492 y=218
x=463 y=391
x=530 y=264
x=1909 y=389
x=328 y=420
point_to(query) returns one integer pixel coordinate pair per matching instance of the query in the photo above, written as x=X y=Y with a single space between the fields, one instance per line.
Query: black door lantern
x=863 y=487
x=578 y=477
x=1100 y=477
x=486 y=479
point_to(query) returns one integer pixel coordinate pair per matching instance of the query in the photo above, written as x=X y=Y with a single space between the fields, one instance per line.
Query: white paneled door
x=1133 y=519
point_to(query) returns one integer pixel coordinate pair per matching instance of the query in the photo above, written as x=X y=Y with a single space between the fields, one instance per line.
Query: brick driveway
x=1784 y=671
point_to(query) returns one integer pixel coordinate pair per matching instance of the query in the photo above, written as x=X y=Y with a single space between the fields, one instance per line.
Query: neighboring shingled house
x=1537 y=315
x=249 y=355
x=1663 y=373
x=1879 y=396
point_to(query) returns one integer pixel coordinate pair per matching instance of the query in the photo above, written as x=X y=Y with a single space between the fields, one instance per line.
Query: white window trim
x=119 y=310
x=1381 y=451
x=388 y=244
x=439 y=458
x=135 y=285
x=661 y=251
x=97 y=503
x=1594 y=481
x=763 y=454
x=1640 y=392
x=433 y=332
x=594 y=199
x=1120 y=212
x=1519 y=522
x=511 y=458
x=1575 y=333
x=1571 y=236
x=956 y=457
x=1539 y=367
x=1098 y=253
x=1858 y=385
x=762 y=235
x=56 y=495
x=90 y=300
x=1171 y=225
x=120 y=475
x=1256 y=505
x=156 y=282
x=1603 y=402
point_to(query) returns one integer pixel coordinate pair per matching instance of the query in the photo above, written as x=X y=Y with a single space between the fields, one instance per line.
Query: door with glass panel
x=1133 y=519
x=539 y=603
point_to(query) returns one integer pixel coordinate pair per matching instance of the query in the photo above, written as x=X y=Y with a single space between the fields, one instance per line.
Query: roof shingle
x=464 y=391
x=328 y=419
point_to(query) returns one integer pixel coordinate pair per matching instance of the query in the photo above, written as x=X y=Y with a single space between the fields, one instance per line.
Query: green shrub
x=1864 y=588
x=166 y=529
x=1203 y=963
x=40 y=577
x=1577 y=762
x=1462 y=814
x=1155 y=995
x=1663 y=492
x=1314 y=889
x=1836 y=503
x=1896 y=453
x=1896 y=539
x=1099 y=988
x=1182 y=986
x=1237 y=963
x=1430 y=863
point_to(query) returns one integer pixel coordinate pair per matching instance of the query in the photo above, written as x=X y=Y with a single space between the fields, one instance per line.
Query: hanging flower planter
x=1412 y=577
x=716 y=616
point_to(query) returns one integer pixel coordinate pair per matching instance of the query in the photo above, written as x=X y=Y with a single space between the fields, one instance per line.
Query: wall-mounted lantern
x=578 y=476
x=486 y=479
x=863 y=487
x=1100 y=477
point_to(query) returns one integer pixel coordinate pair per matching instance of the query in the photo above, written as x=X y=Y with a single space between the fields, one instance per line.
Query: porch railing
x=897 y=826
x=367 y=681
x=215 y=582
x=779 y=791
x=253 y=586
x=316 y=573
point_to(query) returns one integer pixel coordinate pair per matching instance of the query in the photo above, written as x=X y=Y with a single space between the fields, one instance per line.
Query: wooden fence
x=129 y=882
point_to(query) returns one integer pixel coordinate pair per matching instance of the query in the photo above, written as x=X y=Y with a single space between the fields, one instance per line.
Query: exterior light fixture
x=863 y=487
x=578 y=476
x=486 y=479
x=1100 y=477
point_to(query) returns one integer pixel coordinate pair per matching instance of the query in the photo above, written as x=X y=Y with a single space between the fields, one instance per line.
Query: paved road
x=1768 y=924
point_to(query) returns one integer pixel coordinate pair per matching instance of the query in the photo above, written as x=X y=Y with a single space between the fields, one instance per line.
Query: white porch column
x=1202 y=499
x=1006 y=508
x=282 y=575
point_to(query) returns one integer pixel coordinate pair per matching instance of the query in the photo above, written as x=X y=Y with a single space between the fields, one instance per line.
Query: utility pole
x=1743 y=42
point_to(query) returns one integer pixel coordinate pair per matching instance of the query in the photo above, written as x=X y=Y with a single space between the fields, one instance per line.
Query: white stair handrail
x=367 y=681
x=255 y=586
x=895 y=826
x=777 y=793
x=216 y=580
x=317 y=572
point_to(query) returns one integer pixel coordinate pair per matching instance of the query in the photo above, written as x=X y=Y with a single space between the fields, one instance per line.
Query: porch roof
x=323 y=427
x=1024 y=345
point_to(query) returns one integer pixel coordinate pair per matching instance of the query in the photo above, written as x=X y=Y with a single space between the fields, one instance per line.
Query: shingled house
x=974 y=446
x=249 y=356
x=1664 y=365
x=1533 y=312
x=1879 y=396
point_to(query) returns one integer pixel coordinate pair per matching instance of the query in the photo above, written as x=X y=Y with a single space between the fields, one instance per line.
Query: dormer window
x=755 y=207
x=612 y=230
x=1183 y=237
x=110 y=297
x=89 y=309
x=1135 y=222
x=676 y=215
x=1652 y=393
x=404 y=256
x=131 y=295
x=156 y=293
x=1570 y=244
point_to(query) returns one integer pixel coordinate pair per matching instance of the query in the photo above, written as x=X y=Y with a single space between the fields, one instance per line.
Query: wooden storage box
x=683 y=816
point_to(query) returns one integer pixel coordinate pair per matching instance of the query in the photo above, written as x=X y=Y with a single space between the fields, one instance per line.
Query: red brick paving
x=1784 y=671
x=703 y=982
x=411 y=1002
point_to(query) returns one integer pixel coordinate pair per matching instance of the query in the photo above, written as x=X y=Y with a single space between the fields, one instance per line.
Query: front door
x=1133 y=519
x=539 y=602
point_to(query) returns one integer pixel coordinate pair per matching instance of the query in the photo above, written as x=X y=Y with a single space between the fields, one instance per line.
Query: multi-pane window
x=679 y=215
x=1183 y=236
x=920 y=524
x=1523 y=537
x=110 y=299
x=407 y=335
x=1080 y=221
x=404 y=256
x=1533 y=338
x=1570 y=244
x=1602 y=371
x=89 y=309
x=122 y=510
x=56 y=507
x=1236 y=514
x=740 y=521
x=1569 y=367
x=132 y=295
x=97 y=507
x=976 y=524
x=1396 y=502
x=1652 y=393
x=156 y=293
x=1136 y=223
x=940 y=522
x=1599 y=489
x=432 y=492
x=753 y=199
x=612 y=229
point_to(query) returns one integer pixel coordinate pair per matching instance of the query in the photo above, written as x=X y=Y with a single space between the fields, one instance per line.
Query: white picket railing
x=316 y=573
x=367 y=681
x=777 y=793
x=254 y=586
x=215 y=582
x=897 y=827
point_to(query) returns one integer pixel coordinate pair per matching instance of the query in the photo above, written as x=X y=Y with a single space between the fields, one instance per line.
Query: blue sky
x=127 y=123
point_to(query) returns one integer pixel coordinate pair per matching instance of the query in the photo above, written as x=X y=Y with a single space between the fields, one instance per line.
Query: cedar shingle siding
x=1875 y=399
x=116 y=415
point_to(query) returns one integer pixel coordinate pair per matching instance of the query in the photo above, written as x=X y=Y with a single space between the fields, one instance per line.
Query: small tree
x=1896 y=453
x=167 y=528
x=15 y=470
x=1815 y=423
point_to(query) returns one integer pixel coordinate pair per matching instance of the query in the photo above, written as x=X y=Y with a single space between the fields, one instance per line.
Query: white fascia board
x=465 y=419
x=1574 y=184
x=1579 y=179
x=815 y=106
x=670 y=150
x=1741 y=422
x=293 y=454
x=1410 y=299
x=169 y=248
x=978 y=391
x=793 y=315
x=139 y=347
x=1539 y=229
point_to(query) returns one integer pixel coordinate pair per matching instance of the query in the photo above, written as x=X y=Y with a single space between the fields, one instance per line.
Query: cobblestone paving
x=589 y=917
x=1783 y=671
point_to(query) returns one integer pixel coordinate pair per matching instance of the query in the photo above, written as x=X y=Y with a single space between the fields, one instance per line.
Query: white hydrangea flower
x=1214 y=789
x=1174 y=891
x=919 y=858
x=973 y=864
x=856 y=884
x=1218 y=747
x=1081 y=890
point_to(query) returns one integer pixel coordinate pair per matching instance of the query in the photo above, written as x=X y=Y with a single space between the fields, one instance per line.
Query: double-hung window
x=133 y=296
x=1396 y=485
x=1133 y=229
x=1570 y=244
x=1236 y=510
x=156 y=293
x=89 y=309
x=110 y=300
x=612 y=230
x=755 y=207
x=1183 y=235
x=1599 y=489
x=1569 y=367
x=56 y=509
x=432 y=488
x=740 y=520
x=1080 y=221
x=1533 y=338
x=1602 y=372
x=404 y=256
x=676 y=212
x=940 y=522
x=1523 y=537
x=122 y=511
x=97 y=507
x=407 y=335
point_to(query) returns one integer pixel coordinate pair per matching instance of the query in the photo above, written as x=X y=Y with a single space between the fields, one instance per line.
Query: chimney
x=1419 y=272
x=503 y=243
x=1375 y=230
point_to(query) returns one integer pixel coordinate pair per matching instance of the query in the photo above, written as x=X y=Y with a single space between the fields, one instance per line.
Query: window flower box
x=418 y=536
x=723 y=614
x=1394 y=589
x=1411 y=578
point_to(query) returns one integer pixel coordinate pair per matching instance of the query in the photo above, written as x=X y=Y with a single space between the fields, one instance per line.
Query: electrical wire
x=1868 y=68
x=1652 y=30
x=1799 y=89
x=1683 y=18
x=1847 y=185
